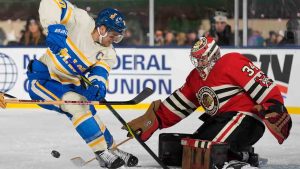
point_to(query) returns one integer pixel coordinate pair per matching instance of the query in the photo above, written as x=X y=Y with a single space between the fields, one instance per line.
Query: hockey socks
x=95 y=135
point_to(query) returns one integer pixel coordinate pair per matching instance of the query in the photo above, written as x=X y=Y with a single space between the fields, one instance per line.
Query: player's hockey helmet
x=204 y=54
x=113 y=20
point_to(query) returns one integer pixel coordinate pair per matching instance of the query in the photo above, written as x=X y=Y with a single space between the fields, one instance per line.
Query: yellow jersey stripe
x=104 y=65
x=57 y=65
x=57 y=3
x=96 y=141
x=102 y=128
x=67 y=17
x=54 y=76
x=74 y=48
x=82 y=118
x=64 y=80
x=47 y=91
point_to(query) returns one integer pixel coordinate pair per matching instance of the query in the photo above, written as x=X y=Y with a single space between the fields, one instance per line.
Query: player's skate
x=234 y=164
x=109 y=160
x=130 y=160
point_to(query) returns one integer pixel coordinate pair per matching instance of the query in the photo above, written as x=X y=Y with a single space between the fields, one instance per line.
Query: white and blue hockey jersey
x=81 y=47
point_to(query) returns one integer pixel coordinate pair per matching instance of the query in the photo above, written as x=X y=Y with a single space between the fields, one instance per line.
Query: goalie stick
x=136 y=136
x=139 y=98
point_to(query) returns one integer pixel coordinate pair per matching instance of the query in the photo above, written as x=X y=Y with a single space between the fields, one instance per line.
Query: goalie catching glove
x=276 y=118
x=146 y=124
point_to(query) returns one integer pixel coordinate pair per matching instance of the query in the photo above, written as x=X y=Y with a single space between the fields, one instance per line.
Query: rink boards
x=162 y=69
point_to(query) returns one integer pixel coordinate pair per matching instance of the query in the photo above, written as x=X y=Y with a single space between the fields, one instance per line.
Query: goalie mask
x=204 y=55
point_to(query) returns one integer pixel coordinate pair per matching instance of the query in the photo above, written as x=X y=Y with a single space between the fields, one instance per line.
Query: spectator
x=256 y=39
x=220 y=30
x=280 y=38
x=135 y=29
x=33 y=34
x=159 y=38
x=170 y=39
x=271 y=41
x=181 y=39
x=291 y=35
x=127 y=40
x=191 y=38
x=2 y=36
x=201 y=33
x=12 y=39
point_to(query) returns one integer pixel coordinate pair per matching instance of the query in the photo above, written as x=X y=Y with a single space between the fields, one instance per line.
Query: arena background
x=161 y=69
x=267 y=32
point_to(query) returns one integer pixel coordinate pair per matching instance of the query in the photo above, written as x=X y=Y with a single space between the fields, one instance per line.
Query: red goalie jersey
x=233 y=84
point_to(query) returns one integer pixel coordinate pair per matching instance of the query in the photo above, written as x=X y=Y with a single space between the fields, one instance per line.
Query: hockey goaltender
x=239 y=101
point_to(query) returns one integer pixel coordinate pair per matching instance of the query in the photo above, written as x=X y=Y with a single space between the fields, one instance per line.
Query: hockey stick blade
x=78 y=161
x=8 y=95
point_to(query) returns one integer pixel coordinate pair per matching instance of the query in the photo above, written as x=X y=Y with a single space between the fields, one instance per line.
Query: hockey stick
x=139 y=98
x=136 y=136
x=116 y=114
x=133 y=134
x=80 y=162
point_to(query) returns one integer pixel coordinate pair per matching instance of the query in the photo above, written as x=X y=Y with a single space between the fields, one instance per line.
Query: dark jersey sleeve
x=245 y=74
x=178 y=105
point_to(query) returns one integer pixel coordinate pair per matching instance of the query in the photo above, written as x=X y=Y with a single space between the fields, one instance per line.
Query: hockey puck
x=55 y=153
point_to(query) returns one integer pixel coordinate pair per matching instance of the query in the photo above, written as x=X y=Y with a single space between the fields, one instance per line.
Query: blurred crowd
x=32 y=34
x=222 y=33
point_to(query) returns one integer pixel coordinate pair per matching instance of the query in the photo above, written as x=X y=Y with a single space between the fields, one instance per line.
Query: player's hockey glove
x=276 y=118
x=146 y=124
x=56 y=38
x=95 y=92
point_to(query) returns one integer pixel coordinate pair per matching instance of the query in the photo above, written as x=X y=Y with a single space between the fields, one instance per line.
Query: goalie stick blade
x=139 y=98
x=142 y=96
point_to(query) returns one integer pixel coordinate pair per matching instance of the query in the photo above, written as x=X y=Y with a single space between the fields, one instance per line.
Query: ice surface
x=27 y=138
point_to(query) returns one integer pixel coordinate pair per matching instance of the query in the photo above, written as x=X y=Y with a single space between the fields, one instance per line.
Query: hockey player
x=238 y=99
x=79 y=45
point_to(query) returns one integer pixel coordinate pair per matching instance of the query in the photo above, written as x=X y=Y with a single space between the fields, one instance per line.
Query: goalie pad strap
x=203 y=154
